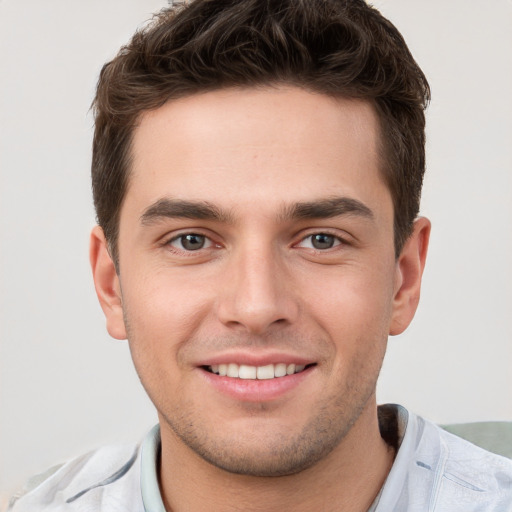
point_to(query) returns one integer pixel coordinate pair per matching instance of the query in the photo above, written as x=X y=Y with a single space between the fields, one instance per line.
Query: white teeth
x=232 y=370
x=245 y=371
x=280 y=370
x=265 y=372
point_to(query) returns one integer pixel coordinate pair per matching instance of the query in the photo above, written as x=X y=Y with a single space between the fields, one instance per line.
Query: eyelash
x=337 y=241
x=182 y=236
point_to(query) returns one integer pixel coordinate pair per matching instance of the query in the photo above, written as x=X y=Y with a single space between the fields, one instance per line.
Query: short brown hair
x=336 y=47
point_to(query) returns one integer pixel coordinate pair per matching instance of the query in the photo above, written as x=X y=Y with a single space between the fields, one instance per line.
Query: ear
x=409 y=269
x=106 y=282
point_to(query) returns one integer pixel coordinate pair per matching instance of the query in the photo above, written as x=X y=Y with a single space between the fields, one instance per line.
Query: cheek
x=163 y=301
x=161 y=314
x=353 y=302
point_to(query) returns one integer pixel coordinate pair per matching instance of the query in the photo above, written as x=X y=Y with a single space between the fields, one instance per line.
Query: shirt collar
x=151 y=497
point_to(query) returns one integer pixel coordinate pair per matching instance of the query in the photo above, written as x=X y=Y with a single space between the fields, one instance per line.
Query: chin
x=265 y=449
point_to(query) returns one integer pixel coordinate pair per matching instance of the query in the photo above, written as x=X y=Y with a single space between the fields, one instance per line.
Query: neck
x=349 y=478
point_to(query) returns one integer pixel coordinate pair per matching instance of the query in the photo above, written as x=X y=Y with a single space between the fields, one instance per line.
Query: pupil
x=192 y=242
x=323 y=241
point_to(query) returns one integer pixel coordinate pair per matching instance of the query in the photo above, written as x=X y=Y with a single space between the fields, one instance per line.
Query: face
x=258 y=281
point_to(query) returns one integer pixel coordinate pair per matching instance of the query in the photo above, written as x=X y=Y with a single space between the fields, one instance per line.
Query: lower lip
x=252 y=390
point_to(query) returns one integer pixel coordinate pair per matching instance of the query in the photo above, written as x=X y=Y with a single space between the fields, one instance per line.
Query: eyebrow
x=177 y=208
x=327 y=208
x=319 y=209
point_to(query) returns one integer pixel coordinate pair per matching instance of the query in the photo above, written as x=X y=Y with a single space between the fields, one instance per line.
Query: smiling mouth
x=247 y=372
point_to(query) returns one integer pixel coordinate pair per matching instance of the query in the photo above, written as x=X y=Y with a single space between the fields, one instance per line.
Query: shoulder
x=440 y=472
x=106 y=479
x=464 y=476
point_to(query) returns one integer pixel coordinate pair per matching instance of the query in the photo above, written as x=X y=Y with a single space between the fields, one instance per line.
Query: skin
x=260 y=288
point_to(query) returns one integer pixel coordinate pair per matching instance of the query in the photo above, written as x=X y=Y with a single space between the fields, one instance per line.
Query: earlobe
x=106 y=282
x=409 y=270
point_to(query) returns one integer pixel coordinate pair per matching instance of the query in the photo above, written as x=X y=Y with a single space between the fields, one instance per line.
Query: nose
x=257 y=293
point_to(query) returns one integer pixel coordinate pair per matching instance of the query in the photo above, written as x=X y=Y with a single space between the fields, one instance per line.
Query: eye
x=190 y=242
x=320 y=241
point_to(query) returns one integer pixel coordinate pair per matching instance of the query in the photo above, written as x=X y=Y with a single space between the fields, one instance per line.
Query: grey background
x=66 y=387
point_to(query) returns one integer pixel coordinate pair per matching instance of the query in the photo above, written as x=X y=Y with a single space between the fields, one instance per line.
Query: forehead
x=256 y=147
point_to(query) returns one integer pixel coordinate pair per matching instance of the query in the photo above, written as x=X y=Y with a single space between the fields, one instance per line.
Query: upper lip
x=252 y=359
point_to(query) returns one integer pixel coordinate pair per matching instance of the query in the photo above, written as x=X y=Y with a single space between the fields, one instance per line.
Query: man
x=257 y=169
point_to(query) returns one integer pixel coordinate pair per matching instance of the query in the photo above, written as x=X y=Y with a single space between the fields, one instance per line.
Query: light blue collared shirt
x=434 y=471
